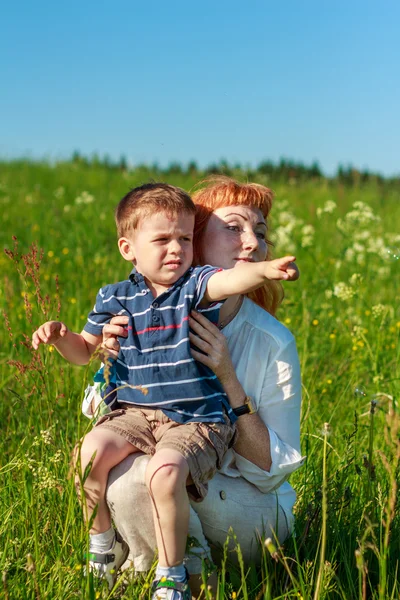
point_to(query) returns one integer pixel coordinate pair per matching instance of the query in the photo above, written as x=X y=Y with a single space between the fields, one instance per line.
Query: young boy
x=171 y=406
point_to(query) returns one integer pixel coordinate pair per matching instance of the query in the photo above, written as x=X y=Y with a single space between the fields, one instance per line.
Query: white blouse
x=265 y=358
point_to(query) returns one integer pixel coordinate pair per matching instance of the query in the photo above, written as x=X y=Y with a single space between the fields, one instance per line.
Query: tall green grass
x=344 y=312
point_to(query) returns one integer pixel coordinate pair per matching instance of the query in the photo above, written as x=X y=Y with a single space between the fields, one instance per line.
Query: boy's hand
x=293 y=271
x=49 y=333
x=282 y=269
x=111 y=332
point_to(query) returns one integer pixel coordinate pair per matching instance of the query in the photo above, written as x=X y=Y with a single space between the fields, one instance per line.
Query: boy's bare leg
x=109 y=449
x=166 y=479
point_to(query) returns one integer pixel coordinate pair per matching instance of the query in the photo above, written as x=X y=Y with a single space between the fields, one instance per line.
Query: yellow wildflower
x=50 y=254
x=367 y=313
x=315 y=322
x=332 y=336
x=72 y=300
x=288 y=320
x=65 y=251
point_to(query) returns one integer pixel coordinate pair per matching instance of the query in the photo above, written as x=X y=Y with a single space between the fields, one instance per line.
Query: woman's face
x=235 y=234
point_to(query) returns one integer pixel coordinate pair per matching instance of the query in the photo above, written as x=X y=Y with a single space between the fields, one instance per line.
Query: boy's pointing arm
x=247 y=277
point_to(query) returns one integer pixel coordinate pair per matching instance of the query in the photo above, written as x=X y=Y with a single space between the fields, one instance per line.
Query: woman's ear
x=125 y=247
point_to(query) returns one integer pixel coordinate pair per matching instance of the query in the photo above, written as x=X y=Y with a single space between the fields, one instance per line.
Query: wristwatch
x=248 y=408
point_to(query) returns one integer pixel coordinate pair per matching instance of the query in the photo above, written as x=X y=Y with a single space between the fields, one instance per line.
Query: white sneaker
x=167 y=589
x=105 y=565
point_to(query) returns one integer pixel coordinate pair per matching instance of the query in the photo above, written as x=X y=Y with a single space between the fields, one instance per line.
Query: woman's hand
x=111 y=332
x=208 y=338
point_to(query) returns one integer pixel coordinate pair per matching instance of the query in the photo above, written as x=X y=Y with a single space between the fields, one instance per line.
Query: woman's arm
x=253 y=441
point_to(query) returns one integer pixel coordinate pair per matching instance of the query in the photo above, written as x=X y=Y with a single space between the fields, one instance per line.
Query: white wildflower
x=46 y=436
x=329 y=207
x=59 y=192
x=360 y=259
x=355 y=279
x=376 y=245
x=362 y=235
x=357 y=247
x=378 y=310
x=343 y=291
x=308 y=230
x=283 y=239
x=349 y=254
x=307 y=241
x=84 y=198
x=384 y=271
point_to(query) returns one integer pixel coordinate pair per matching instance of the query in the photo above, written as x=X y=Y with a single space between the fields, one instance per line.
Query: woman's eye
x=260 y=235
x=233 y=228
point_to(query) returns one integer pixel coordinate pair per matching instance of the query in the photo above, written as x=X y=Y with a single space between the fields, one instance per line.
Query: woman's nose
x=250 y=240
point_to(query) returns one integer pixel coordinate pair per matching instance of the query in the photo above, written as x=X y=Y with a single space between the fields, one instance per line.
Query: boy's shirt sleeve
x=99 y=315
x=203 y=274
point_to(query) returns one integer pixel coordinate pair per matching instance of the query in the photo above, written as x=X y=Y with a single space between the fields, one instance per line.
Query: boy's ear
x=125 y=247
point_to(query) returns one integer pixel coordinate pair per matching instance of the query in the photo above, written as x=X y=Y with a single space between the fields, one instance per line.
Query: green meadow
x=59 y=241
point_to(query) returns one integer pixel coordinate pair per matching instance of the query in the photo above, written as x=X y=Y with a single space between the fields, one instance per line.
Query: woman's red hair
x=218 y=192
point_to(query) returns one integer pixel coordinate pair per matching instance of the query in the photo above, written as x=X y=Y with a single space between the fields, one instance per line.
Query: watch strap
x=245 y=409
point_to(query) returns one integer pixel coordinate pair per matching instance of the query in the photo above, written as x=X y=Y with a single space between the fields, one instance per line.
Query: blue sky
x=223 y=79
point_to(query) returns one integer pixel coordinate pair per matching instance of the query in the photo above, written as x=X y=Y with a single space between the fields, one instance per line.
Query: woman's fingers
x=200 y=323
x=203 y=358
x=200 y=343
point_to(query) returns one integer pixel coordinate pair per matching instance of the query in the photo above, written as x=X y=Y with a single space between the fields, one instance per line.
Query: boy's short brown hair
x=147 y=199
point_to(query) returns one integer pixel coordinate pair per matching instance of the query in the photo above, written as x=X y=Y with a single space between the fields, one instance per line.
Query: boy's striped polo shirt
x=155 y=366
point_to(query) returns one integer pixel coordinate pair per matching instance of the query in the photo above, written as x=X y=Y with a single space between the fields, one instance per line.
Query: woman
x=256 y=360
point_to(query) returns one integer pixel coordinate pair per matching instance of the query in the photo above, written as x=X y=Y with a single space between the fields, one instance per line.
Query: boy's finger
x=63 y=330
x=114 y=330
x=119 y=320
x=47 y=330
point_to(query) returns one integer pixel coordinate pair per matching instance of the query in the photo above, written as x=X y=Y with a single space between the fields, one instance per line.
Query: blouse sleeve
x=279 y=408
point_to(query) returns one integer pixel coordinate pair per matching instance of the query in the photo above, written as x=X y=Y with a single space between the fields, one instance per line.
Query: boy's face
x=161 y=248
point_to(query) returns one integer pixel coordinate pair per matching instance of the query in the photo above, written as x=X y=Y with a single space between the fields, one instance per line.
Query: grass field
x=58 y=232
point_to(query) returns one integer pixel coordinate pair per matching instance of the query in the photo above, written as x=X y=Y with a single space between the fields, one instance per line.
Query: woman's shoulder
x=265 y=323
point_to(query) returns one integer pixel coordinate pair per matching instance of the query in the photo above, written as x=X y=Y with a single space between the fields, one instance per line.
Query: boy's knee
x=165 y=474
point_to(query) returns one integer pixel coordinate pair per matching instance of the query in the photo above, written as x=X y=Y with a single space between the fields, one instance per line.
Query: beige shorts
x=202 y=444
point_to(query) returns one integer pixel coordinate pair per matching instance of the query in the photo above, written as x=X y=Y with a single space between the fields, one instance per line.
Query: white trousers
x=231 y=504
